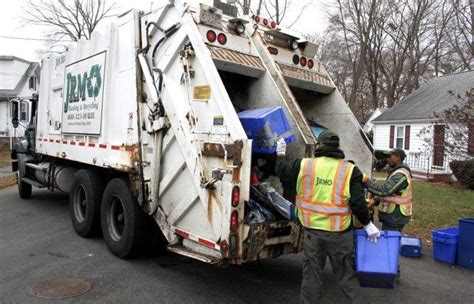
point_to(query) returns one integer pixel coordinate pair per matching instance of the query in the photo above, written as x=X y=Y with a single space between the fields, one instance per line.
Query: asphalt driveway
x=37 y=242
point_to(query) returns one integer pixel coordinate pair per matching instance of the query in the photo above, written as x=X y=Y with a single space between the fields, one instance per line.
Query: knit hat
x=329 y=138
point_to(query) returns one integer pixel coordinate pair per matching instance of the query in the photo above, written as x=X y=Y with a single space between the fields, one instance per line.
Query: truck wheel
x=24 y=189
x=123 y=222
x=158 y=242
x=84 y=202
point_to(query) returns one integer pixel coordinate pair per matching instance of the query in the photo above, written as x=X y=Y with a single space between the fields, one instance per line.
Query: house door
x=438 y=146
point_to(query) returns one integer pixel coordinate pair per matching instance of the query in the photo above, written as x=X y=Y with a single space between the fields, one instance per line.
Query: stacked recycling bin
x=455 y=245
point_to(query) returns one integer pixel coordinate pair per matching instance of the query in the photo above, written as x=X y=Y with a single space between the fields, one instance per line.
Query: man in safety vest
x=394 y=197
x=328 y=191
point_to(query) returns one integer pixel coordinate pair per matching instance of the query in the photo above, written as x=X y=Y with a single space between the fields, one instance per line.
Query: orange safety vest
x=404 y=200
x=323 y=193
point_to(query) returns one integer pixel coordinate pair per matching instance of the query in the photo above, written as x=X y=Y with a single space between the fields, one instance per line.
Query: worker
x=394 y=196
x=328 y=191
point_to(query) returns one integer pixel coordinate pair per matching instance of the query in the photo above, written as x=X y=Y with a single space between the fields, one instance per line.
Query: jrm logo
x=324 y=182
x=76 y=85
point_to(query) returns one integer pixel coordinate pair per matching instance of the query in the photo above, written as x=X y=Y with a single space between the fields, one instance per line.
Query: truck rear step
x=179 y=249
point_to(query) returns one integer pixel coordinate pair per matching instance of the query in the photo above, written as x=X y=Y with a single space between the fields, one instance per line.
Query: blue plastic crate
x=265 y=126
x=466 y=243
x=377 y=264
x=410 y=246
x=445 y=244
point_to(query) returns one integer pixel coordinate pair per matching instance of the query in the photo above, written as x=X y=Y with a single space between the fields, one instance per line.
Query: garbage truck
x=140 y=125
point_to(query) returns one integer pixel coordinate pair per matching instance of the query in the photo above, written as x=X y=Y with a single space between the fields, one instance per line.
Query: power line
x=33 y=39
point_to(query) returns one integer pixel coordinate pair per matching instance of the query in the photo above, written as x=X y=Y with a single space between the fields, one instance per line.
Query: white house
x=19 y=79
x=402 y=125
x=369 y=125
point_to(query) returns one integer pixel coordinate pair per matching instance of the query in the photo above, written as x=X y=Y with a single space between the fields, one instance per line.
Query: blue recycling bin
x=265 y=126
x=377 y=264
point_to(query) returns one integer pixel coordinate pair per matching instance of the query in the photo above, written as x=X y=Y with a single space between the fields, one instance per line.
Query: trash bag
x=275 y=183
x=284 y=207
x=258 y=213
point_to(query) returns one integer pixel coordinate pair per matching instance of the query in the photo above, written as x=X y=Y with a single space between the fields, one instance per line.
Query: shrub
x=464 y=172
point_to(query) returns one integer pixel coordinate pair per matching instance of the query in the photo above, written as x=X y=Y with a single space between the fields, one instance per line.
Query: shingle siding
x=433 y=96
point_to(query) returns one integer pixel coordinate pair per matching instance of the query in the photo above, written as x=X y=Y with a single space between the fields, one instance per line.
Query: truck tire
x=24 y=189
x=84 y=202
x=123 y=221
x=158 y=242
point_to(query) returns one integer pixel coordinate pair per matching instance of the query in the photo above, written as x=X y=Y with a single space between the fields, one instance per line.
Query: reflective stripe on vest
x=333 y=214
x=405 y=200
x=322 y=208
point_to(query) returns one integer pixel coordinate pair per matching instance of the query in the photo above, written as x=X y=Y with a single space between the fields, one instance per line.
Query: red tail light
x=265 y=21
x=234 y=221
x=310 y=63
x=257 y=19
x=274 y=25
x=224 y=246
x=222 y=38
x=272 y=50
x=211 y=36
x=303 y=61
x=235 y=196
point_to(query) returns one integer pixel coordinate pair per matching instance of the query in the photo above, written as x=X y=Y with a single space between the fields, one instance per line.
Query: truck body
x=139 y=125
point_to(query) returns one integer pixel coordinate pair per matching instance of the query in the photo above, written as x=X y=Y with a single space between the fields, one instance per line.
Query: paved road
x=37 y=242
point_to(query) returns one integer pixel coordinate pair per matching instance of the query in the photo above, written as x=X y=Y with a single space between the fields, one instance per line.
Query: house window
x=32 y=83
x=23 y=111
x=399 y=143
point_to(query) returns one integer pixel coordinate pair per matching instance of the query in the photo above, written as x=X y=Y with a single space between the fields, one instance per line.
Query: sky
x=20 y=40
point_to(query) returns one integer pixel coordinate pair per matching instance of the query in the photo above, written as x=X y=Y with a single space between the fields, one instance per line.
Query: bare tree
x=378 y=52
x=277 y=10
x=461 y=33
x=74 y=19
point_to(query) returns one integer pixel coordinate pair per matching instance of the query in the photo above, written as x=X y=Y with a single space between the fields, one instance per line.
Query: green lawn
x=438 y=206
x=382 y=175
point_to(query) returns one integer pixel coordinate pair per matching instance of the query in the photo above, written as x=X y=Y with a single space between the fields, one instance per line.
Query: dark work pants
x=392 y=227
x=339 y=247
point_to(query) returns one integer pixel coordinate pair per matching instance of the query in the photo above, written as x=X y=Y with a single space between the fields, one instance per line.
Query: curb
x=7 y=181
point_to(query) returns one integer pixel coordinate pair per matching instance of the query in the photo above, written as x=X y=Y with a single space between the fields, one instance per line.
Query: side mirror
x=14 y=113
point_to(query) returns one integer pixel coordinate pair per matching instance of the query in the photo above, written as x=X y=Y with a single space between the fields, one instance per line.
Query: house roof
x=33 y=68
x=434 y=96
x=9 y=57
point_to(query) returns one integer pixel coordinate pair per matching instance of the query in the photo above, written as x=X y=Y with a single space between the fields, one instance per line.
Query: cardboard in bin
x=377 y=264
x=265 y=126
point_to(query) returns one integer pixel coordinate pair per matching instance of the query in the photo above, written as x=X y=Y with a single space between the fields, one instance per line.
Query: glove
x=372 y=232
x=281 y=147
